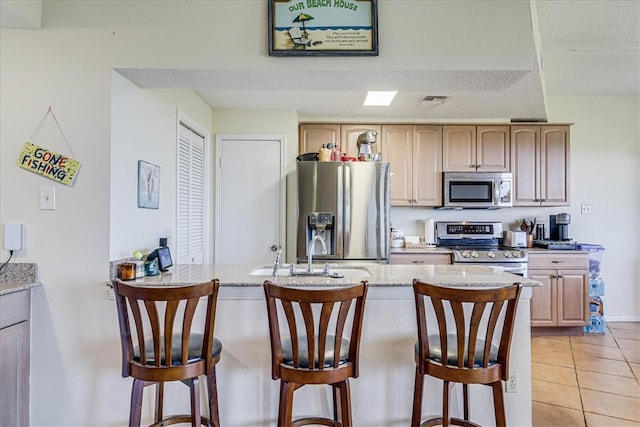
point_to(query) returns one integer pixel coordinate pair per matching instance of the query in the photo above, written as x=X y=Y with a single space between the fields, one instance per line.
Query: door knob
x=274 y=248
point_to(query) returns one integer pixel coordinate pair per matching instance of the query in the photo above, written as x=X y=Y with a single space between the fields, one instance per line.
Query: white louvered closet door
x=190 y=230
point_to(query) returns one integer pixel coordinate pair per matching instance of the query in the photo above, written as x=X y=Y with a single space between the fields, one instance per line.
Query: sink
x=301 y=270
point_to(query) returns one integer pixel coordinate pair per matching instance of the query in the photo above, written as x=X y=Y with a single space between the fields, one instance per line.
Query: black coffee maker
x=559 y=227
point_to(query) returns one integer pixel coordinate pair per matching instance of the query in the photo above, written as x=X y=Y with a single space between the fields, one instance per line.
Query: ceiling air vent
x=434 y=99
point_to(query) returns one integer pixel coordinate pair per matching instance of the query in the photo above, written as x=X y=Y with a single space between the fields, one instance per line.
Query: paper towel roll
x=429 y=232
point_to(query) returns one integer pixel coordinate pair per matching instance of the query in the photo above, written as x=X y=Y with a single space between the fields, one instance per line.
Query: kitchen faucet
x=310 y=251
x=278 y=262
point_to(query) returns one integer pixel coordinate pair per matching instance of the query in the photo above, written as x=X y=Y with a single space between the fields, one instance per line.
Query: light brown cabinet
x=540 y=160
x=562 y=301
x=420 y=258
x=538 y=156
x=476 y=148
x=14 y=358
x=349 y=138
x=415 y=156
x=313 y=135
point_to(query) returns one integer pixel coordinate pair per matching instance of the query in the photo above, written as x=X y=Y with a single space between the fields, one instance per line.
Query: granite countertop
x=382 y=275
x=18 y=276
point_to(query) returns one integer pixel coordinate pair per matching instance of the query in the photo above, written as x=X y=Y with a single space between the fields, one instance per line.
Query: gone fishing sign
x=48 y=163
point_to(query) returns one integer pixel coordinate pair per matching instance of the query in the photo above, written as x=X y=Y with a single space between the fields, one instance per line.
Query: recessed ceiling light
x=380 y=98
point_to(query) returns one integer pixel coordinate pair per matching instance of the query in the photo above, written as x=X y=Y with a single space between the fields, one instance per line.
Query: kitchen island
x=382 y=395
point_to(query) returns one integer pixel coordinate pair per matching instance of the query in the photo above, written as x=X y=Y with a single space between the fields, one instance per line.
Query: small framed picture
x=148 y=185
x=323 y=27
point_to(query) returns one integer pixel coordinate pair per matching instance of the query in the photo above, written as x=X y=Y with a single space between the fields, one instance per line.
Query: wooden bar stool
x=321 y=330
x=471 y=358
x=158 y=345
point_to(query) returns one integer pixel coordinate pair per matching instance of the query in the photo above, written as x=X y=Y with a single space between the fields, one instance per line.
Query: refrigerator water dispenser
x=321 y=223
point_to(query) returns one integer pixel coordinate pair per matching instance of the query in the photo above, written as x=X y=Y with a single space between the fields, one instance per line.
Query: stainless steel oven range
x=479 y=243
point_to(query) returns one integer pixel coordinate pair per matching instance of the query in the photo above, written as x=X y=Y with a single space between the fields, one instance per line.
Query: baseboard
x=613 y=319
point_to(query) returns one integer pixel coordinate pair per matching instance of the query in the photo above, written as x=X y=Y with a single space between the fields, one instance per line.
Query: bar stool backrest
x=159 y=321
x=466 y=322
x=315 y=329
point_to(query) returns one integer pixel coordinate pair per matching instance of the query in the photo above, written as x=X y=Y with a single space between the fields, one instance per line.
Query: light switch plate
x=47 y=198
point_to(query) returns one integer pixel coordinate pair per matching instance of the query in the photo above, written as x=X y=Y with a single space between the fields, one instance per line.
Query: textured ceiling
x=590 y=47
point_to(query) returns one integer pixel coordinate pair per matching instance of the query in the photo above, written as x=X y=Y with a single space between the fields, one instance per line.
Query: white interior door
x=249 y=212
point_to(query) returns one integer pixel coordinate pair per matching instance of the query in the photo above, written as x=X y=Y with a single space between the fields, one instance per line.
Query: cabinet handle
x=557 y=261
x=560 y=277
x=415 y=261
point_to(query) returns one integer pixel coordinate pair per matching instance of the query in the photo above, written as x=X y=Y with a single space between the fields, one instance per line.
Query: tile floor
x=590 y=380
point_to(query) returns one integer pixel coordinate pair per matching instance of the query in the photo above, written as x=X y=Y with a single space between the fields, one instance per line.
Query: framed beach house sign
x=323 y=27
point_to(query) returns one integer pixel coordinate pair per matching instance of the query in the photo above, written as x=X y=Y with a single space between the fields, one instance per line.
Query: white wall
x=144 y=127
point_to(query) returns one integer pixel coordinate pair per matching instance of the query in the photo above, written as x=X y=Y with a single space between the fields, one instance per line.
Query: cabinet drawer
x=14 y=308
x=558 y=260
x=432 y=259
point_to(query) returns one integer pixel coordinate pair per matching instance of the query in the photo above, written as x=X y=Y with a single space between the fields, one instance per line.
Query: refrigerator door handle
x=345 y=202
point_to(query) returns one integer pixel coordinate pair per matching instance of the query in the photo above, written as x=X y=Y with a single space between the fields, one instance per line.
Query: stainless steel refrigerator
x=347 y=205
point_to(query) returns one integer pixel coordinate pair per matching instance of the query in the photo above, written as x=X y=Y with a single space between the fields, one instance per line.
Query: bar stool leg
x=337 y=410
x=445 y=404
x=285 y=411
x=417 y=399
x=159 y=400
x=194 y=387
x=136 y=403
x=214 y=413
x=345 y=403
x=498 y=404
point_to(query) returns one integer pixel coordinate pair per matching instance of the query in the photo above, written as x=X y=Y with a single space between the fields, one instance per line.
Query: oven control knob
x=474 y=254
x=465 y=254
x=518 y=254
x=491 y=254
x=507 y=254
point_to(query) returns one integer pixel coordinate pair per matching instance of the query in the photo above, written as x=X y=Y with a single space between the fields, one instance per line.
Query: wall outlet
x=585 y=209
x=512 y=383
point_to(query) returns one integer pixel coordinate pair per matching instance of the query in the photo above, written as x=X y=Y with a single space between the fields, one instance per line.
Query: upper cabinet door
x=554 y=155
x=493 y=149
x=427 y=165
x=540 y=159
x=312 y=136
x=396 y=145
x=458 y=148
x=350 y=135
x=525 y=149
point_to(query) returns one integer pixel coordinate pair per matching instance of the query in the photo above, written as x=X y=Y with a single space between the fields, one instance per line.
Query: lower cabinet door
x=573 y=309
x=543 y=298
x=14 y=375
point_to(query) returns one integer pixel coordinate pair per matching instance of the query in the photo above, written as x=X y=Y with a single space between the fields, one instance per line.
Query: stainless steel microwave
x=478 y=190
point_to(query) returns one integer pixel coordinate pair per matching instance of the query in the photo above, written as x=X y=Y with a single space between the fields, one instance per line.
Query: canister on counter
x=127 y=271
x=397 y=238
